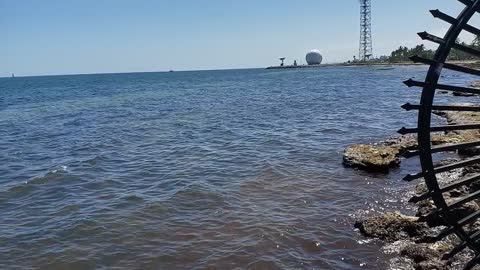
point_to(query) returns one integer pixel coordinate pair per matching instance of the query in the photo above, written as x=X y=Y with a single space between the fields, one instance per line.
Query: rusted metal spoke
x=466 y=220
x=447 y=18
x=445 y=168
x=409 y=107
x=464 y=182
x=467 y=70
x=405 y=130
x=439 y=149
x=472 y=263
x=473 y=237
x=444 y=211
x=438 y=40
x=470 y=197
x=469 y=4
x=459 y=89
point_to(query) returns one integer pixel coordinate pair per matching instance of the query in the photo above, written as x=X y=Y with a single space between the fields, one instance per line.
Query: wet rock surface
x=416 y=237
x=392 y=227
x=371 y=158
x=384 y=155
x=431 y=265
x=420 y=253
x=379 y=157
x=424 y=250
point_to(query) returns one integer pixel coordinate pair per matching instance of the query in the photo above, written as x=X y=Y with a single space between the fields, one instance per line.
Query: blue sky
x=101 y=36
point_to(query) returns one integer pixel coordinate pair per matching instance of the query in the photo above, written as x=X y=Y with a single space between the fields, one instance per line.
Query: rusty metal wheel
x=469 y=238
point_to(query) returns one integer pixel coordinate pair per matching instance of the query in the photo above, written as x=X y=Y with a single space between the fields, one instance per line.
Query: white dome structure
x=314 y=57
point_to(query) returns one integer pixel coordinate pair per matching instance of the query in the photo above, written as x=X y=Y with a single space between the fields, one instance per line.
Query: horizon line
x=134 y=72
x=126 y=72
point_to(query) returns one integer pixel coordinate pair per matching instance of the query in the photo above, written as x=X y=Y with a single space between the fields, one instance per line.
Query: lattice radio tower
x=365 y=30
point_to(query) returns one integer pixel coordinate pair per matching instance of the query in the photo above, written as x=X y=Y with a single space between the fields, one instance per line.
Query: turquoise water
x=196 y=170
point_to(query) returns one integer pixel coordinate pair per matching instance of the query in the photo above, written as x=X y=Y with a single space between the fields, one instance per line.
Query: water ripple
x=195 y=170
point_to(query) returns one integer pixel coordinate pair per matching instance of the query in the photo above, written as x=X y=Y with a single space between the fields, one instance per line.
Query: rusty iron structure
x=366 y=48
x=468 y=237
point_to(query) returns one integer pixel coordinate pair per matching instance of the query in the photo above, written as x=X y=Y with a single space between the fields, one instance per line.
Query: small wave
x=52 y=175
x=55 y=174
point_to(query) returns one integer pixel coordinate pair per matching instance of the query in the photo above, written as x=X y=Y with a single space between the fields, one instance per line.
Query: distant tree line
x=402 y=54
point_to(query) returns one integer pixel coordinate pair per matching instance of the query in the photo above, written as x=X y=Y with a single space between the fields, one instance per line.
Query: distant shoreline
x=346 y=65
x=467 y=63
x=362 y=64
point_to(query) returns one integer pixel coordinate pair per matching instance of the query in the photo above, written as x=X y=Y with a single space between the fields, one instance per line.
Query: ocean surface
x=198 y=170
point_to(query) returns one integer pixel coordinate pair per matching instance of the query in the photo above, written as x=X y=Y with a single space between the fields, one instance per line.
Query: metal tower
x=365 y=30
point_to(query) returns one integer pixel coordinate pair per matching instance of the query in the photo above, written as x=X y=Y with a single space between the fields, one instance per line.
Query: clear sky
x=101 y=36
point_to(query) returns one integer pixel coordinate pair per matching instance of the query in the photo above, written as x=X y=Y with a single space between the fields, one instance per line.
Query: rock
x=463 y=210
x=443 y=246
x=446 y=178
x=471 y=169
x=392 y=227
x=431 y=265
x=421 y=188
x=402 y=143
x=449 y=138
x=459 y=117
x=427 y=206
x=371 y=158
x=475 y=186
x=386 y=154
x=420 y=253
x=458 y=192
x=428 y=256
x=382 y=156
x=379 y=157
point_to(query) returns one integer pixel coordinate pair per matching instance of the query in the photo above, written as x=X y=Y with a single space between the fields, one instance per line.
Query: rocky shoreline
x=384 y=155
x=415 y=236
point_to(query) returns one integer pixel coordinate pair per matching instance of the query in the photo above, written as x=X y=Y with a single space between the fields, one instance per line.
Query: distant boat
x=13 y=75
x=170 y=71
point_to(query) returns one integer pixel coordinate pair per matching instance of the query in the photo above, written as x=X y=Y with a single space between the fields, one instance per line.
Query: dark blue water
x=195 y=170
